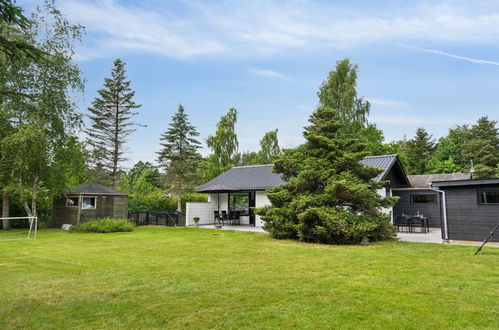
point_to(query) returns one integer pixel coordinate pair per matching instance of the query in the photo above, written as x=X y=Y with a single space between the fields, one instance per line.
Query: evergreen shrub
x=104 y=225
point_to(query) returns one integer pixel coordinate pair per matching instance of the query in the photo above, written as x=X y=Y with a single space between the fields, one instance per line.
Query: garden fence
x=164 y=218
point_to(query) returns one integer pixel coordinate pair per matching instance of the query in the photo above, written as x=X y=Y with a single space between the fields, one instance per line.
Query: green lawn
x=198 y=278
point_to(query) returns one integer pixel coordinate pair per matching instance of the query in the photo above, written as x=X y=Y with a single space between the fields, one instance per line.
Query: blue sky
x=421 y=63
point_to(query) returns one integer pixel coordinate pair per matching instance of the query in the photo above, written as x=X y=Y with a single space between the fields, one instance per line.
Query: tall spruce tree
x=419 y=152
x=328 y=195
x=482 y=147
x=110 y=114
x=179 y=156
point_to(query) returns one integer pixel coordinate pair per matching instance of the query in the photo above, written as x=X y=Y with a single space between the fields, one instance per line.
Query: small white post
x=30 y=226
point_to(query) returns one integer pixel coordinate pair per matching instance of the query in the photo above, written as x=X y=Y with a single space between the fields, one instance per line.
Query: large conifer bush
x=328 y=196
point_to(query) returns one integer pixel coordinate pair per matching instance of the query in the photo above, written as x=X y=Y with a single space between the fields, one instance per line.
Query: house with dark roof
x=423 y=198
x=242 y=188
x=472 y=208
x=463 y=208
x=87 y=202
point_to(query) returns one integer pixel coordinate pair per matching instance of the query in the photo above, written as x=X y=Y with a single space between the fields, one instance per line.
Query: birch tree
x=269 y=147
x=224 y=144
x=41 y=110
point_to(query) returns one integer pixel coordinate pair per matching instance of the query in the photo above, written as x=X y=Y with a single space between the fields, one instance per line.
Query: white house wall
x=203 y=211
x=386 y=192
x=261 y=200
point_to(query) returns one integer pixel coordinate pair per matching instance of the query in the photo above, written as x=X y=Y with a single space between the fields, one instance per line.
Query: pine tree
x=179 y=156
x=328 y=195
x=111 y=114
x=419 y=152
x=482 y=147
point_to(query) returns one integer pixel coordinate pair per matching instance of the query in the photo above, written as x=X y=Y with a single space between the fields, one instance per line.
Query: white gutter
x=444 y=206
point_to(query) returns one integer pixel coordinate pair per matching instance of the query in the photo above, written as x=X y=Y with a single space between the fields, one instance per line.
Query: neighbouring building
x=87 y=202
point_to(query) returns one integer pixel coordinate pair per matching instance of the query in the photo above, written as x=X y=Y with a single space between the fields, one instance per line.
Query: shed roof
x=459 y=183
x=261 y=177
x=425 y=180
x=93 y=188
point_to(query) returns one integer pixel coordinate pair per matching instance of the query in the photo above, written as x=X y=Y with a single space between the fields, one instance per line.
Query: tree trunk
x=179 y=203
x=27 y=208
x=5 y=211
x=116 y=145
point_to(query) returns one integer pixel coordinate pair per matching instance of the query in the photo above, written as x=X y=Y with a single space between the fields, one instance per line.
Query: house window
x=424 y=199
x=489 y=197
x=88 y=203
x=239 y=202
x=72 y=201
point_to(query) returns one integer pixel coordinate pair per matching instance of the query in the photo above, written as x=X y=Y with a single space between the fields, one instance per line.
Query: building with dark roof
x=257 y=177
x=87 y=202
x=465 y=209
x=242 y=188
x=422 y=198
x=392 y=169
x=472 y=208
x=426 y=180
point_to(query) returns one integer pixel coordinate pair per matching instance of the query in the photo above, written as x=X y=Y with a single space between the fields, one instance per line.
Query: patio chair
x=235 y=218
x=216 y=216
x=402 y=221
x=224 y=217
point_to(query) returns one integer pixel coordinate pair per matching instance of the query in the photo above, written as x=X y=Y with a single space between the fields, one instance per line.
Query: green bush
x=105 y=225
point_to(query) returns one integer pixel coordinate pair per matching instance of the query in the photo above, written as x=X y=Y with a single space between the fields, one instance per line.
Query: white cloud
x=268 y=73
x=464 y=58
x=188 y=28
x=387 y=103
x=116 y=28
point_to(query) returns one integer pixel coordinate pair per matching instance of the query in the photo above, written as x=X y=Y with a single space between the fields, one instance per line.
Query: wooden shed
x=87 y=202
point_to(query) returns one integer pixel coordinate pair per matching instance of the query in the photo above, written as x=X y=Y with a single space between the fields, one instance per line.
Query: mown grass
x=159 y=277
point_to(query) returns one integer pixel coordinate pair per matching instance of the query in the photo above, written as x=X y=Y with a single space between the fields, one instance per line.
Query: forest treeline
x=41 y=155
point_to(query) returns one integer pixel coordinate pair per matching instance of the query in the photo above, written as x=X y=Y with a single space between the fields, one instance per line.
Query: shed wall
x=467 y=218
x=106 y=206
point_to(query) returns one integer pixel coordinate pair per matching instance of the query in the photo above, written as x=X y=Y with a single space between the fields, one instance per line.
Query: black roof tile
x=95 y=188
x=261 y=177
